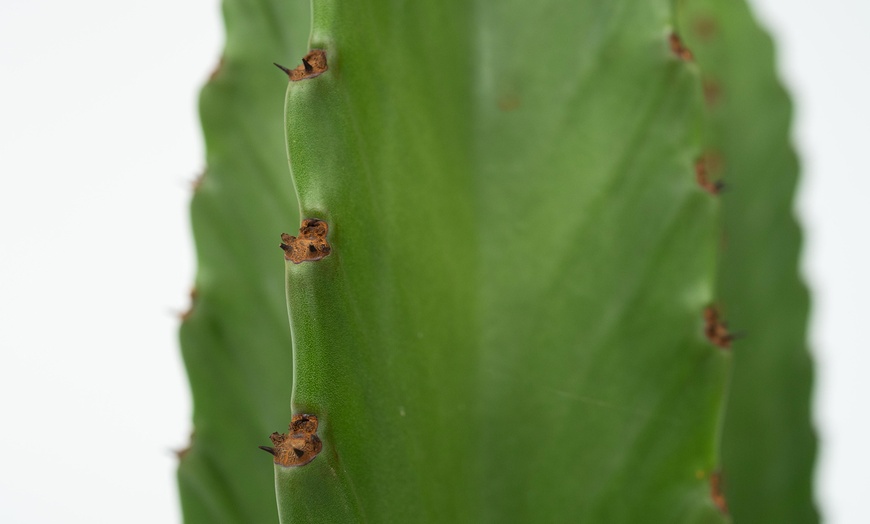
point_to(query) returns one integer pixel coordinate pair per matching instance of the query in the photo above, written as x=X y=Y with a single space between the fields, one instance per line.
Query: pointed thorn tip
x=267 y=449
x=282 y=68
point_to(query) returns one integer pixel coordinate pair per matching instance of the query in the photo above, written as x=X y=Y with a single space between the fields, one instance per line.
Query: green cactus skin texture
x=521 y=314
x=768 y=444
x=235 y=338
x=509 y=327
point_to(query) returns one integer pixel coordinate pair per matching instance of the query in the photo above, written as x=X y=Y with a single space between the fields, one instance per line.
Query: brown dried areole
x=217 y=69
x=679 y=48
x=717 y=493
x=703 y=167
x=310 y=245
x=299 y=446
x=715 y=329
x=194 y=294
x=313 y=65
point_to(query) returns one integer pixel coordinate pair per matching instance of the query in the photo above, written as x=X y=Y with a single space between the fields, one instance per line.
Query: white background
x=99 y=142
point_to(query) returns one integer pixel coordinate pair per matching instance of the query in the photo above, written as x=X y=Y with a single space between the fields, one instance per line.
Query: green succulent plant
x=523 y=229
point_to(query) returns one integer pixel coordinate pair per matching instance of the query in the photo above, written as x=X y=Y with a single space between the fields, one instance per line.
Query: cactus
x=514 y=286
x=768 y=445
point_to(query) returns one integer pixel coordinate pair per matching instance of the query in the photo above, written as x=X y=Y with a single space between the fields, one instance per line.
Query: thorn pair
x=305 y=63
x=297 y=447
x=310 y=245
x=313 y=64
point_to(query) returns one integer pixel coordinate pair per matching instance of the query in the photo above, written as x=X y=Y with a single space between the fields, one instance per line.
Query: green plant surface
x=509 y=327
x=235 y=339
x=768 y=445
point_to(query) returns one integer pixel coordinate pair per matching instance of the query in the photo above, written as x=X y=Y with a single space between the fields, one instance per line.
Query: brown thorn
x=267 y=449
x=282 y=68
x=307 y=65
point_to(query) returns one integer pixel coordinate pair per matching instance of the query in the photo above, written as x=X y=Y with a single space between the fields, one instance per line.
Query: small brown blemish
x=716 y=329
x=717 y=493
x=194 y=294
x=705 y=27
x=708 y=167
x=313 y=64
x=197 y=182
x=679 y=48
x=297 y=447
x=310 y=245
x=181 y=453
x=217 y=69
x=508 y=102
x=712 y=91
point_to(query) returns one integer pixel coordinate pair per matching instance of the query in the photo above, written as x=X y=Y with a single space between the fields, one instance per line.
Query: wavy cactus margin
x=513 y=319
x=768 y=444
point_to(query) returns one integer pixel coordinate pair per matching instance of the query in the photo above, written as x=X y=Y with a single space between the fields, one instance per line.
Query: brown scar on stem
x=704 y=166
x=310 y=245
x=313 y=64
x=716 y=329
x=679 y=48
x=299 y=445
x=717 y=493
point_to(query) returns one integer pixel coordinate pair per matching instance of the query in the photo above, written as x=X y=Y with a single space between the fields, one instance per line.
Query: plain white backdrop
x=99 y=143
